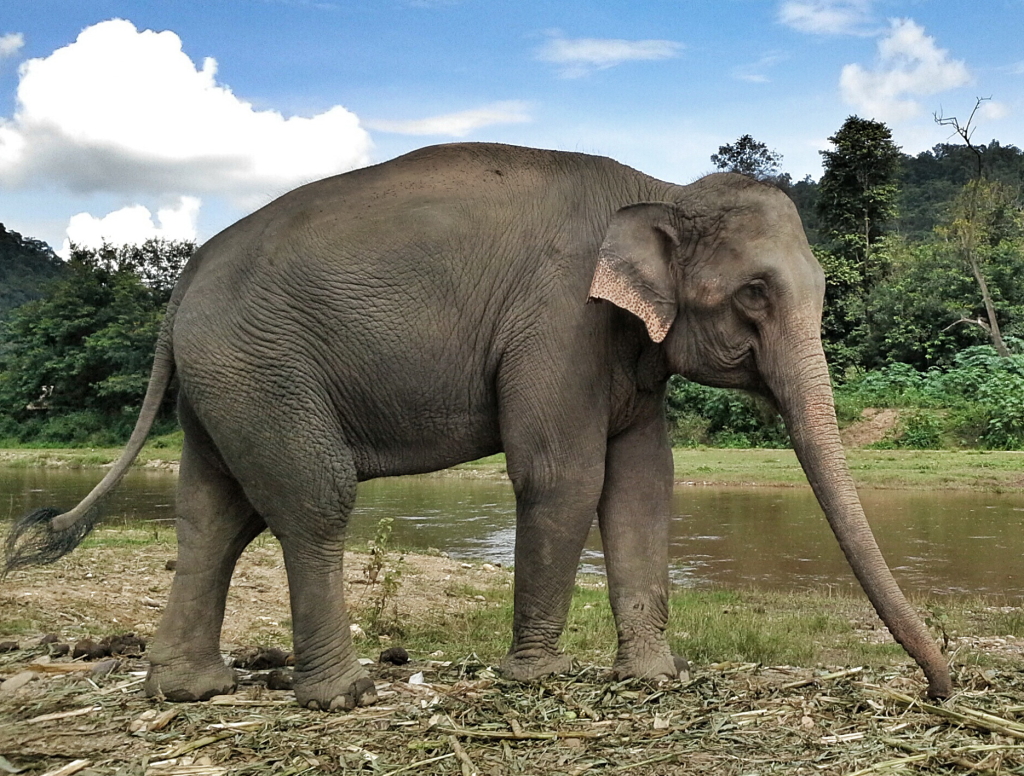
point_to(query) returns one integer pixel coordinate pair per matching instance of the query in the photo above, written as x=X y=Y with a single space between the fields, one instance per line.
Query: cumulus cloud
x=580 y=56
x=909 y=65
x=132 y=225
x=459 y=124
x=826 y=17
x=11 y=43
x=127 y=111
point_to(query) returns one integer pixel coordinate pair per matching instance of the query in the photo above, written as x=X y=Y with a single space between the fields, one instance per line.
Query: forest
x=924 y=308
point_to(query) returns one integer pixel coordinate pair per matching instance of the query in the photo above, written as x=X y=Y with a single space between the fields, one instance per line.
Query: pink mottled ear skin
x=615 y=287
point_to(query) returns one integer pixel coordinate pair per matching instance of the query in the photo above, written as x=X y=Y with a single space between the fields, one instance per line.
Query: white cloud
x=133 y=225
x=11 y=43
x=755 y=71
x=993 y=111
x=458 y=124
x=826 y=17
x=909 y=65
x=580 y=56
x=126 y=111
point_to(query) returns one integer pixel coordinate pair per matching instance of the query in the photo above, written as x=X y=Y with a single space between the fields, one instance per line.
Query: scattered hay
x=728 y=719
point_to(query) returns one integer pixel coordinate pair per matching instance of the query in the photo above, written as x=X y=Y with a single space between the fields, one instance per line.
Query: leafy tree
x=857 y=192
x=856 y=201
x=76 y=362
x=750 y=157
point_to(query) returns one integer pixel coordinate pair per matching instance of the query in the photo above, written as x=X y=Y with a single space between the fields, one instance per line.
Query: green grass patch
x=138 y=535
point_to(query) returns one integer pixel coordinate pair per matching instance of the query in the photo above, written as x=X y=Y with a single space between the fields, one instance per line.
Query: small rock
x=396 y=656
x=49 y=638
x=281 y=679
x=151 y=603
x=89 y=649
x=488 y=567
x=104 y=668
x=806 y=722
x=9 y=646
x=466 y=565
x=17 y=681
x=437 y=653
x=171 y=565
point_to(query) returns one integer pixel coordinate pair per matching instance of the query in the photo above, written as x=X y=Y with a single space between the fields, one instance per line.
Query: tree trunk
x=990 y=310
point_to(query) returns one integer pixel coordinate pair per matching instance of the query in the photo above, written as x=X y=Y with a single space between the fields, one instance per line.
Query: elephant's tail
x=48 y=534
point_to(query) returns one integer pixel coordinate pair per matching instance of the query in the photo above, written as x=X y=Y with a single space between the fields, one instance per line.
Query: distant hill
x=25 y=265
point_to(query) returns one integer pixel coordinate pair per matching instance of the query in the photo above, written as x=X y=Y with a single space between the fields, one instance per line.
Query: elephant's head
x=724 y=279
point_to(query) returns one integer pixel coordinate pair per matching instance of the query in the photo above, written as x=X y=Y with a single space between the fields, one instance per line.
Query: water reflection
x=936 y=541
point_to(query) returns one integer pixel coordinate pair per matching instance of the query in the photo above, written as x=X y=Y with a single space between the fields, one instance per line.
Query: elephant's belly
x=410 y=454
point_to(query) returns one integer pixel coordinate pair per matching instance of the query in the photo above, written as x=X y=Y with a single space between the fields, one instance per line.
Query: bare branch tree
x=965 y=130
x=968 y=227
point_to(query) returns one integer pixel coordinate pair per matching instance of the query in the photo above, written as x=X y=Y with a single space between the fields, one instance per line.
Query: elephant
x=456 y=302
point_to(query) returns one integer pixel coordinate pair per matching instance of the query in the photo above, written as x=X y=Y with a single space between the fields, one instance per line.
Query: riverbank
x=810 y=682
x=980 y=470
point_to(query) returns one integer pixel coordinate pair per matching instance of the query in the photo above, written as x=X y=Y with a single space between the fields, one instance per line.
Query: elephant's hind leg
x=215 y=522
x=304 y=484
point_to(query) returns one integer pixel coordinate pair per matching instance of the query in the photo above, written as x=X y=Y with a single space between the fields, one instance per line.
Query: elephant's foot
x=352 y=689
x=187 y=684
x=657 y=668
x=528 y=667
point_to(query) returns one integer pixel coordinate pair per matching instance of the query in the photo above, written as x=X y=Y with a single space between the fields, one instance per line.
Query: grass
x=995 y=471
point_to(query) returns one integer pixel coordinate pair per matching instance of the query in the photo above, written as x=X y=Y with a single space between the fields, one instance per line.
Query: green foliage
x=699 y=415
x=978 y=401
x=383 y=574
x=75 y=363
x=858 y=189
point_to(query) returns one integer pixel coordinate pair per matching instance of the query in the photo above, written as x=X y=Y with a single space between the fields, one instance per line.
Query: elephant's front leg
x=634 y=516
x=553 y=517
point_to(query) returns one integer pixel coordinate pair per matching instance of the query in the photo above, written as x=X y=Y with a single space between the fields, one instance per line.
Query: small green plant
x=938 y=620
x=384 y=576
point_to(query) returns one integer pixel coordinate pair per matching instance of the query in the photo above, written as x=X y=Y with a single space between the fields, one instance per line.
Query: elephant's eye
x=754 y=295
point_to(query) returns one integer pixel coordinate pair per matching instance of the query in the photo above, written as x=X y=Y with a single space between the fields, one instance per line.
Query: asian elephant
x=453 y=303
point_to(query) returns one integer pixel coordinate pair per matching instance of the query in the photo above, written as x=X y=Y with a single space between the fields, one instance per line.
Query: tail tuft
x=34 y=541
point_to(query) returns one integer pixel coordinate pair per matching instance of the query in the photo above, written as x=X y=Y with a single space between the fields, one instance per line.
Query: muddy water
x=937 y=542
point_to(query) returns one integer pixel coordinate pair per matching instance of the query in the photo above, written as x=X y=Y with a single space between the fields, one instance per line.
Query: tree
x=980 y=212
x=856 y=200
x=976 y=211
x=857 y=192
x=76 y=362
x=749 y=157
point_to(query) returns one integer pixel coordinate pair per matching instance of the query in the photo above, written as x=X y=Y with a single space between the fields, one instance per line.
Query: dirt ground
x=93 y=592
x=874 y=425
x=451 y=714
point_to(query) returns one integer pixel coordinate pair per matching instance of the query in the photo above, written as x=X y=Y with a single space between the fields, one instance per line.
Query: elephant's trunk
x=803 y=391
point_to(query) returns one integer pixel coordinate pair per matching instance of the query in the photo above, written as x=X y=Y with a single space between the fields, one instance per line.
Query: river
x=936 y=542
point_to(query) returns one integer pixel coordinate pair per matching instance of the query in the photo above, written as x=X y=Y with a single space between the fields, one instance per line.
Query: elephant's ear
x=633 y=265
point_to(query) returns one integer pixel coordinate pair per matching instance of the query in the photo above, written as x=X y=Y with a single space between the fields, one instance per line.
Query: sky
x=121 y=121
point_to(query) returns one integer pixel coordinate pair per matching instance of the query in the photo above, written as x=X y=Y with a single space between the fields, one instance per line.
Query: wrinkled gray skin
x=434 y=309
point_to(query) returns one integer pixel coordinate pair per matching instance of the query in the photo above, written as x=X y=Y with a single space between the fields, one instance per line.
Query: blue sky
x=122 y=120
